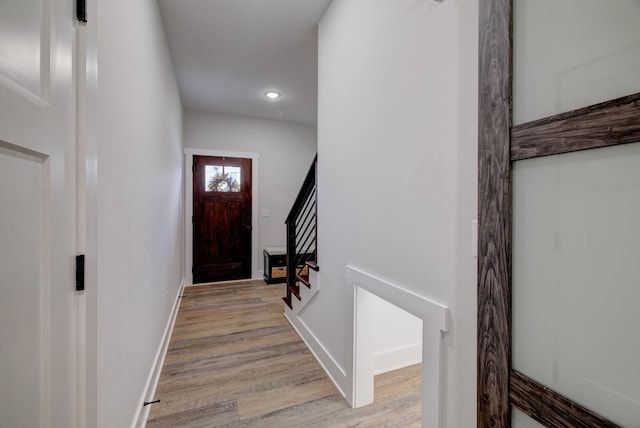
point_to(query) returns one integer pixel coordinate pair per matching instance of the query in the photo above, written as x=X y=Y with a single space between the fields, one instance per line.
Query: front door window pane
x=220 y=178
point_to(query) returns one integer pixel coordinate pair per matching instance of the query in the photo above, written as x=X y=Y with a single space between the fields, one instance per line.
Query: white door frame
x=435 y=324
x=188 y=205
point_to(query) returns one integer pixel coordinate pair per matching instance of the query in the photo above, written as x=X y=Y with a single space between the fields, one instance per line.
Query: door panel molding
x=610 y=123
x=26 y=56
x=25 y=305
x=188 y=183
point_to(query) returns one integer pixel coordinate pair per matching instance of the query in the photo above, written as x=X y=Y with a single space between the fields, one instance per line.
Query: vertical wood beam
x=494 y=214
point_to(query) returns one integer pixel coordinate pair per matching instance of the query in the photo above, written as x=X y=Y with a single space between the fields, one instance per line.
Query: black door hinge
x=80 y=272
x=81 y=10
x=193 y=269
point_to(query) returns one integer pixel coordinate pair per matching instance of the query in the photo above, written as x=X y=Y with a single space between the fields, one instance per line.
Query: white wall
x=397 y=336
x=397 y=155
x=286 y=150
x=139 y=202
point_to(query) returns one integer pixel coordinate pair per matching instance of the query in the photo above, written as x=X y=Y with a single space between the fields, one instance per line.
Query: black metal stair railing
x=301 y=235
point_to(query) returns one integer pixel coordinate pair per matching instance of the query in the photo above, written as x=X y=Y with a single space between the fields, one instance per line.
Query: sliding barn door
x=559 y=202
x=37 y=208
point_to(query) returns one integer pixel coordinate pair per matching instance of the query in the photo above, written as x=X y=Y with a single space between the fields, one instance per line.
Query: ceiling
x=228 y=53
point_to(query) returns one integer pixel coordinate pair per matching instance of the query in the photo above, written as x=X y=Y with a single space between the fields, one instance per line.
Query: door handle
x=248 y=227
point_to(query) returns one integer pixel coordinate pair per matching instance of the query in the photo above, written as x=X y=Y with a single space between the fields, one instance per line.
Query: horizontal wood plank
x=295 y=290
x=600 y=125
x=304 y=279
x=313 y=265
x=550 y=408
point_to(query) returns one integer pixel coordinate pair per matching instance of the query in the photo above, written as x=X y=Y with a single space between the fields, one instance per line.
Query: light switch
x=265 y=212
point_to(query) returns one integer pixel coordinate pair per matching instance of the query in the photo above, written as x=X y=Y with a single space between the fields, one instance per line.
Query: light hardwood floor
x=234 y=361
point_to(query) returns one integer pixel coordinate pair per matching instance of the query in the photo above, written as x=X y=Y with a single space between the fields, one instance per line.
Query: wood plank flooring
x=234 y=361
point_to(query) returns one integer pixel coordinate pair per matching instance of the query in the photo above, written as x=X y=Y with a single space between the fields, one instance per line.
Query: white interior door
x=37 y=214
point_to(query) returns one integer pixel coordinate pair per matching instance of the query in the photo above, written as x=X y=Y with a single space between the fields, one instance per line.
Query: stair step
x=288 y=302
x=313 y=265
x=295 y=290
x=304 y=279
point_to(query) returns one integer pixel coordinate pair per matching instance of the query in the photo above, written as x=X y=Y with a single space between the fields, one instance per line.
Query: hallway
x=234 y=361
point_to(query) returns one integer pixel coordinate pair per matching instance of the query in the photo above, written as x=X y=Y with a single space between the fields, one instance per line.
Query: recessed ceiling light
x=272 y=95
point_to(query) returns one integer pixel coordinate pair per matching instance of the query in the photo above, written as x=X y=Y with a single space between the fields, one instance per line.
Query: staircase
x=302 y=238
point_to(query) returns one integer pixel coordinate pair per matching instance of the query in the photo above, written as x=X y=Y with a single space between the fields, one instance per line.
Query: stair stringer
x=334 y=371
x=307 y=294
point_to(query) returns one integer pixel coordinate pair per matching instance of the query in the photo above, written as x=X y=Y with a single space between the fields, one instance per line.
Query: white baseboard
x=154 y=375
x=398 y=358
x=336 y=373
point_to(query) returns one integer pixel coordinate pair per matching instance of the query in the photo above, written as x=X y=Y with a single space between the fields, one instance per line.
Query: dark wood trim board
x=600 y=125
x=494 y=214
x=550 y=408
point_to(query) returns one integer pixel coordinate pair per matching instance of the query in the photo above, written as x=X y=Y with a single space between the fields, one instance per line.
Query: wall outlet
x=265 y=212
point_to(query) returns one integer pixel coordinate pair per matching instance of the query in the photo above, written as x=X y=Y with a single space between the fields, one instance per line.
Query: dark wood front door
x=221 y=218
